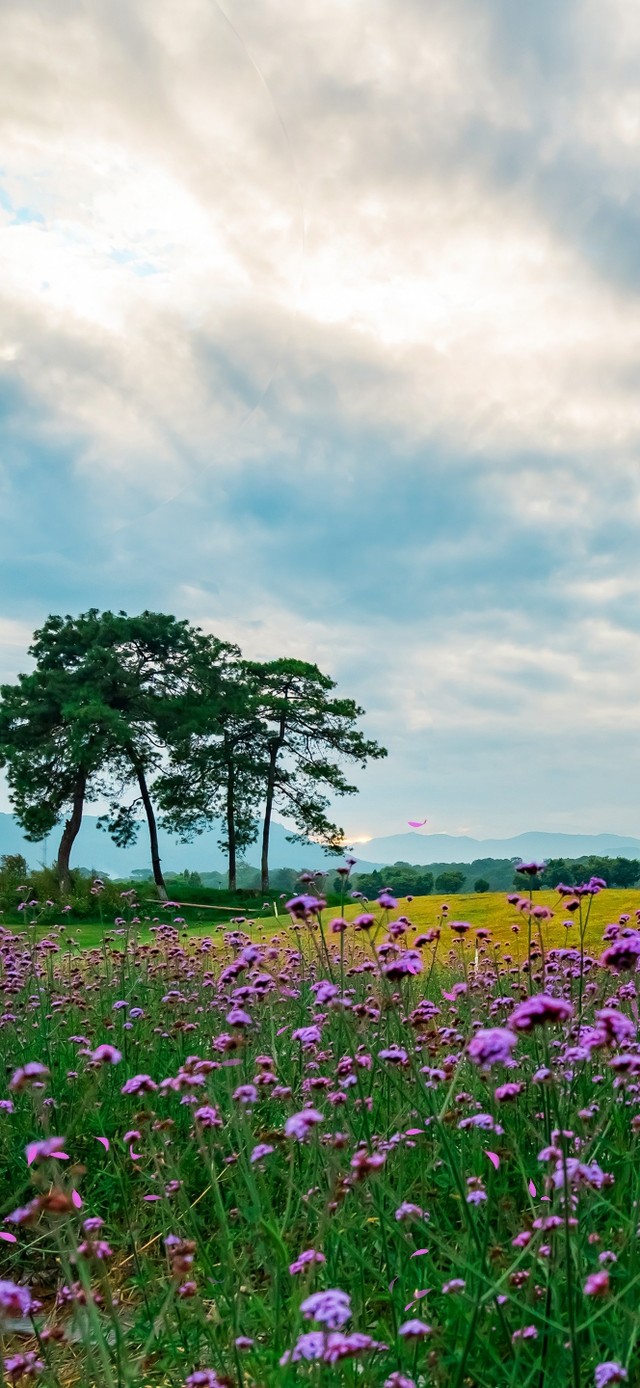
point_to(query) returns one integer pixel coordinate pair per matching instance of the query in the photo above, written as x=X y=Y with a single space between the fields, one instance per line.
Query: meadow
x=392 y=1144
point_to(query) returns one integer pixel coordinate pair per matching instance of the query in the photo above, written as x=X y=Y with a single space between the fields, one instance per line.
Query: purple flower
x=246 y=1094
x=26 y=1365
x=262 y=1150
x=414 y=1330
x=106 y=1055
x=398 y=1380
x=202 y=1378
x=538 y=1010
x=531 y=869
x=394 y=1054
x=331 y=1308
x=365 y=922
x=617 y=1027
x=309 y=1347
x=407 y=1211
x=622 y=954
x=15 y=1301
x=139 y=1084
x=33 y=1073
x=50 y=1147
x=305 y=1260
x=307 y=1036
x=339 y=1346
x=407 y=963
x=237 y=1017
x=597 y=1284
x=303 y=906
x=609 y=1372
x=299 y=1125
x=207 y=1117
x=491 y=1046
x=504 y=1092
x=387 y=901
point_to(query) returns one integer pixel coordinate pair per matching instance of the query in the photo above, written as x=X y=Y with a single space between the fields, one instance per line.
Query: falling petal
x=77 y=1199
x=420 y=1252
x=532 y=1189
x=152 y=1197
x=494 y=1158
x=7 y=1238
x=416 y=823
x=105 y=1142
x=392 y=1283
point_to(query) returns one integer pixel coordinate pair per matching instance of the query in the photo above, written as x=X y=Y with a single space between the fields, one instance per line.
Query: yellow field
x=492 y=911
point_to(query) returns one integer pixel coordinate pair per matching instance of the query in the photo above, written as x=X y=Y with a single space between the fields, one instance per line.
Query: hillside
x=448 y=848
x=94 y=849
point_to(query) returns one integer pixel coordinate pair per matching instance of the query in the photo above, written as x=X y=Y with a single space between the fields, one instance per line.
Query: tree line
x=164 y=721
x=616 y=872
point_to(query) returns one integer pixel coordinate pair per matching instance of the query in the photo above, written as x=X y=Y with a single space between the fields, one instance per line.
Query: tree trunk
x=153 y=833
x=231 y=823
x=71 y=830
x=268 y=809
x=274 y=749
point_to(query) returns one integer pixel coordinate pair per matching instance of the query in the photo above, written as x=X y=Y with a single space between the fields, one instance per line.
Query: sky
x=320 y=326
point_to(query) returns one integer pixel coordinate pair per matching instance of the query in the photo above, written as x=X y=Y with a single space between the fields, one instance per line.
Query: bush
x=450 y=882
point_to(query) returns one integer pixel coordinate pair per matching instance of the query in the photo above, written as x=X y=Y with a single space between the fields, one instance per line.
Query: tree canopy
x=154 y=716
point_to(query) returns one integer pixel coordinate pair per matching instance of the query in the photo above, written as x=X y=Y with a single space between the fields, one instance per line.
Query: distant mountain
x=94 y=849
x=447 y=848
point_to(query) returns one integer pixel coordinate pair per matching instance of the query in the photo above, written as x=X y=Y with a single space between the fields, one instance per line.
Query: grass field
x=292 y=1157
x=489 y=910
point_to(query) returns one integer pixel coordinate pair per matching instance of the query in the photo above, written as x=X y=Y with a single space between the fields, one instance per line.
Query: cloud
x=320 y=325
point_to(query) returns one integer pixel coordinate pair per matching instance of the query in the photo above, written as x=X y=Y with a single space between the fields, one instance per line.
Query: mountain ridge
x=94 y=849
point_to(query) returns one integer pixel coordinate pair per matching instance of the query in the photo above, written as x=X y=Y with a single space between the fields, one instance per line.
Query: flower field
x=382 y=1147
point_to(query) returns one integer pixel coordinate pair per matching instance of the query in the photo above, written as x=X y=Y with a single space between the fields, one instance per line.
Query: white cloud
x=174 y=168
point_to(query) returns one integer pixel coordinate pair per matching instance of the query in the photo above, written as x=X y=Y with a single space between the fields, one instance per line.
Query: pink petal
x=135 y=1156
x=105 y=1142
x=60 y=1156
x=494 y=1158
x=77 y=1199
x=7 y=1238
x=416 y=823
x=152 y=1197
x=420 y=1252
x=281 y=1029
x=532 y=1189
x=30 y=1150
